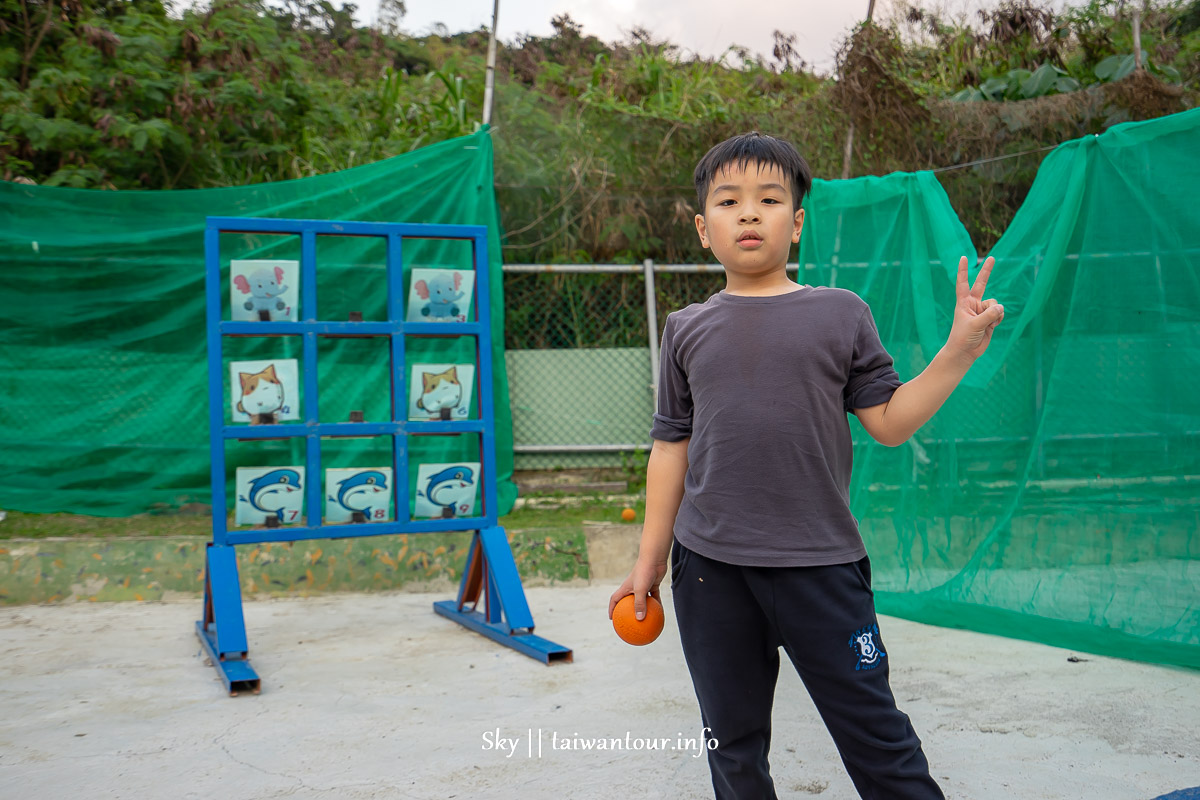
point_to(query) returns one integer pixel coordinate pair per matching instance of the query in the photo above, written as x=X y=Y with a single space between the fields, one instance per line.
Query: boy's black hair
x=764 y=150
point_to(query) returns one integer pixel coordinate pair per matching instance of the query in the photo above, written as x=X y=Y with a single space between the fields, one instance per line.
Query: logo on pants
x=865 y=644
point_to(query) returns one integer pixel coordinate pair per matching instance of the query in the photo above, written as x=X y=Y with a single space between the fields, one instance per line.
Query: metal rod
x=652 y=327
x=1137 y=37
x=489 y=82
x=579 y=448
x=631 y=269
x=717 y=268
x=979 y=161
x=216 y=402
x=835 y=257
x=1039 y=385
x=1065 y=483
x=846 y=153
x=849 y=149
x=986 y=440
x=1163 y=300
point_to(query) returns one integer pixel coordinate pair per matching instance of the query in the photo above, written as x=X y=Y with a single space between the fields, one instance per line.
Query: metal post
x=846 y=153
x=835 y=258
x=1039 y=386
x=1137 y=37
x=850 y=133
x=490 y=79
x=1147 y=174
x=652 y=326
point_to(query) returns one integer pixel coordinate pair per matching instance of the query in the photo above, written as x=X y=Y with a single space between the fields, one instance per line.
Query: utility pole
x=489 y=83
x=850 y=133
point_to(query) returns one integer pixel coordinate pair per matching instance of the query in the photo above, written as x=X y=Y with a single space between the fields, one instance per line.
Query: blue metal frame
x=490 y=569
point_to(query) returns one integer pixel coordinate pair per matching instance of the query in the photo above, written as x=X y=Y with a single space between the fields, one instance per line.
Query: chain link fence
x=582 y=363
x=582 y=367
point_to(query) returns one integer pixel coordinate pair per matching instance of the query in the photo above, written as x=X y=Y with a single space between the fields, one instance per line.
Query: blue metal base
x=236 y=673
x=223 y=629
x=543 y=650
x=491 y=572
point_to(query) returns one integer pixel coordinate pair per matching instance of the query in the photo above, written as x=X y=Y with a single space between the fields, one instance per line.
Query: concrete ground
x=375 y=696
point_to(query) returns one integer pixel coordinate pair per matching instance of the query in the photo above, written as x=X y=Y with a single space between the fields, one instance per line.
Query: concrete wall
x=156 y=568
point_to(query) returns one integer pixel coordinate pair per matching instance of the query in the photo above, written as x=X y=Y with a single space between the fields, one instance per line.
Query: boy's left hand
x=974 y=317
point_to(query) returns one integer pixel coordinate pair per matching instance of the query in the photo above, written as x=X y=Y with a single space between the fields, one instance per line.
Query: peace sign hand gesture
x=974 y=317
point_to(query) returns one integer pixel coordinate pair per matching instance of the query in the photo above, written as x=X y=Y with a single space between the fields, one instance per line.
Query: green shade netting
x=103 y=379
x=1056 y=495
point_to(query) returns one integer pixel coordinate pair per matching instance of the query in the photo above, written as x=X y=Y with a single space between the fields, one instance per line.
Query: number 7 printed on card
x=269 y=493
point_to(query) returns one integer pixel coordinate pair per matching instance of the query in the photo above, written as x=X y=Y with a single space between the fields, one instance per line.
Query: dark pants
x=732 y=621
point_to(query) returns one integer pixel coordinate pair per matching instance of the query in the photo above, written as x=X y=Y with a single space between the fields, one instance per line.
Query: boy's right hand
x=643 y=580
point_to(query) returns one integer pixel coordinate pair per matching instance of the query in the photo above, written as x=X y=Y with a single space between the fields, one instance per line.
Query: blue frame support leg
x=222 y=632
x=491 y=571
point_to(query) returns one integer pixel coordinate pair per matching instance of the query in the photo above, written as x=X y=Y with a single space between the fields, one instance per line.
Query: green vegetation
x=19 y=525
x=595 y=141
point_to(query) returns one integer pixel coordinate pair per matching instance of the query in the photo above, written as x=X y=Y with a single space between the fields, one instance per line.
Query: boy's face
x=748 y=219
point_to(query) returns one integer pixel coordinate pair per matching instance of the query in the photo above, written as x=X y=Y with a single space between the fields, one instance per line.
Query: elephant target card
x=264 y=392
x=351 y=491
x=440 y=391
x=269 y=493
x=440 y=295
x=446 y=490
x=264 y=290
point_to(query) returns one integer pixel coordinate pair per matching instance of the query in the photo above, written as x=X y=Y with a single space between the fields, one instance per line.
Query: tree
x=391 y=12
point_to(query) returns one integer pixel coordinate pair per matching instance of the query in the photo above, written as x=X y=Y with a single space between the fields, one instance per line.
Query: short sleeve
x=673 y=419
x=872 y=379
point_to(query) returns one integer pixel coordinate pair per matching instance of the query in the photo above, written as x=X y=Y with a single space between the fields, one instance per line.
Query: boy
x=747 y=485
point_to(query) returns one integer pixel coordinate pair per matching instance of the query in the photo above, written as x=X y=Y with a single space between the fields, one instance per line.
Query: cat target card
x=365 y=492
x=263 y=290
x=264 y=392
x=269 y=493
x=446 y=490
x=440 y=391
x=440 y=295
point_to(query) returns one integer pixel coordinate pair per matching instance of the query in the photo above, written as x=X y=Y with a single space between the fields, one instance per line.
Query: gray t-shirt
x=762 y=386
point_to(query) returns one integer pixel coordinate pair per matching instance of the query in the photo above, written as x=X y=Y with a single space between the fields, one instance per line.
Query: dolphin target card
x=440 y=295
x=263 y=290
x=264 y=492
x=440 y=391
x=444 y=491
x=264 y=390
x=358 y=490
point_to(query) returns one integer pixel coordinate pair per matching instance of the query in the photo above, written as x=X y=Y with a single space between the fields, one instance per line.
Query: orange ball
x=629 y=515
x=630 y=629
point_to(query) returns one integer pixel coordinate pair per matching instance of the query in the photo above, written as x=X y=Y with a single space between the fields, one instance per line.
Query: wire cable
x=936 y=169
x=994 y=158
